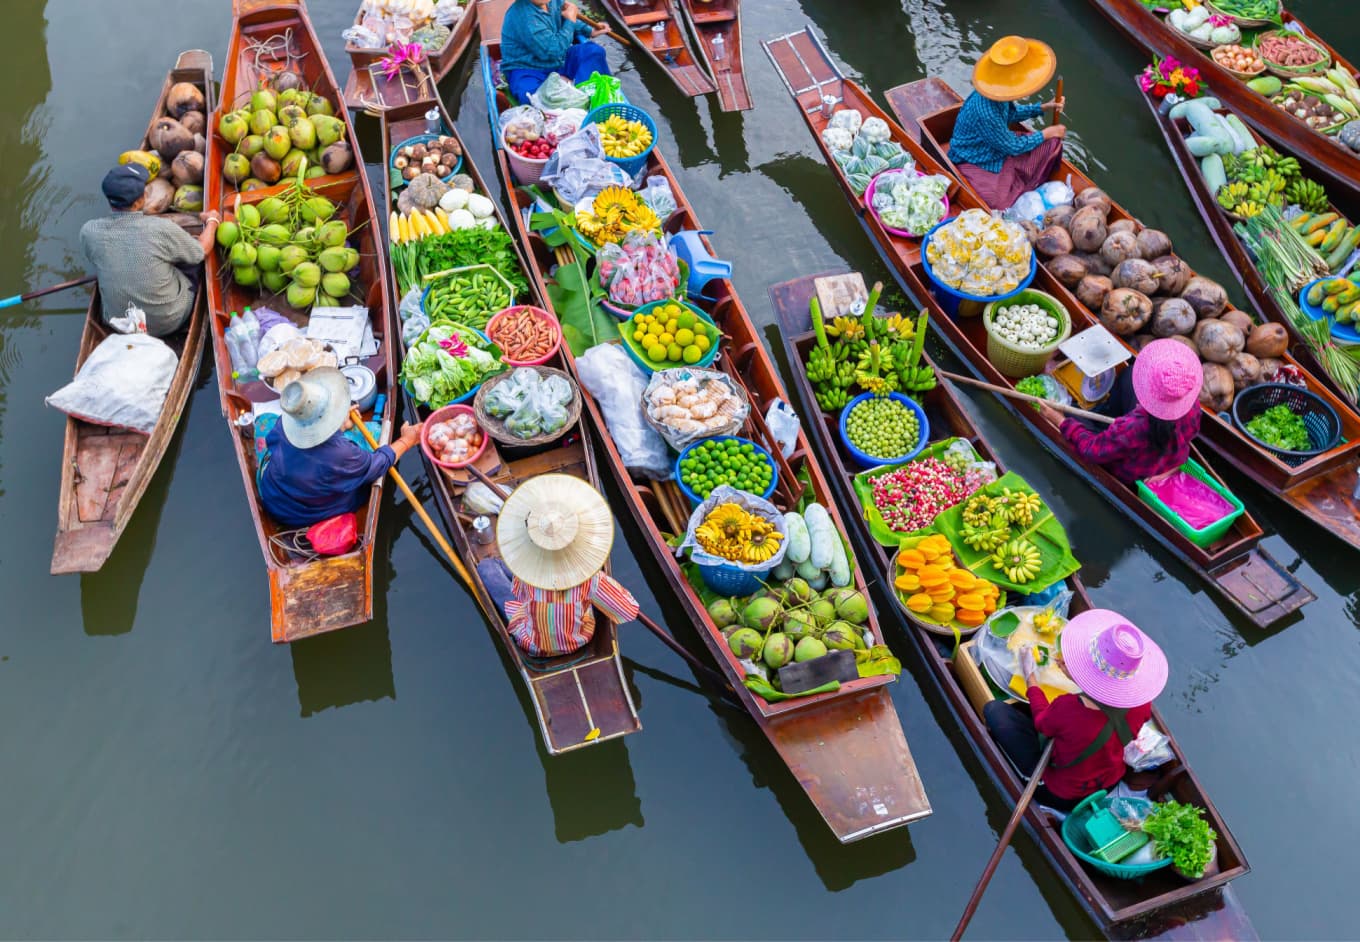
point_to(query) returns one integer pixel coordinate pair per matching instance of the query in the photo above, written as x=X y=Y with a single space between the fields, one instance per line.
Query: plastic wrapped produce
x=847 y=119
x=638 y=270
x=557 y=94
x=980 y=253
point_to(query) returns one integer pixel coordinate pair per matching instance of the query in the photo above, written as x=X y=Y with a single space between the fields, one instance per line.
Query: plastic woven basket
x=730 y=581
x=526 y=170
x=1079 y=843
x=1006 y=356
x=630 y=165
x=1324 y=425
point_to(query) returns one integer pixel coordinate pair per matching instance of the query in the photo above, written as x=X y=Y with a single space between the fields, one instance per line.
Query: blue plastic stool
x=703 y=267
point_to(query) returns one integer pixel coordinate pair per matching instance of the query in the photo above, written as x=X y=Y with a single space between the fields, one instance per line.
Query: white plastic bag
x=123 y=382
x=1056 y=193
x=617 y=385
x=1149 y=749
x=783 y=424
x=448 y=12
x=1028 y=207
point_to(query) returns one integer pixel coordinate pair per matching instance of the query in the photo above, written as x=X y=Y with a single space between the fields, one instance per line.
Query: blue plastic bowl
x=629 y=344
x=869 y=461
x=395 y=174
x=695 y=498
x=1346 y=333
x=949 y=298
x=465 y=396
x=630 y=165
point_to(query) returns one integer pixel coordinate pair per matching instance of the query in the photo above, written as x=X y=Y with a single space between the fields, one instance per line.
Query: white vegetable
x=822 y=533
x=875 y=130
x=453 y=199
x=840 y=564
x=480 y=206
x=1178 y=17
x=488 y=222
x=1203 y=31
x=806 y=570
x=1026 y=325
x=1197 y=17
x=799 y=540
x=461 y=219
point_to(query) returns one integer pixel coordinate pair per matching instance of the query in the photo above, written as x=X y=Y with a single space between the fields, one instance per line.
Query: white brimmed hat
x=555 y=531
x=314 y=407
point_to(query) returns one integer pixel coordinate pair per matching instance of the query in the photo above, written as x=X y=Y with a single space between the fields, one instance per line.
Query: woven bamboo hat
x=1014 y=68
x=555 y=531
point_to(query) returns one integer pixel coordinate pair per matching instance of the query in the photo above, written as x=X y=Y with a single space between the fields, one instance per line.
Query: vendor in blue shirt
x=311 y=470
x=1001 y=164
x=539 y=37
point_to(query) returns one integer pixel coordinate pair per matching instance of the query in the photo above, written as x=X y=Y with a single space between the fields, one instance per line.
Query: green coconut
x=799 y=623
x=275 y=281
x=745 y=642
x=275 y=233
x=305 y=235
x=250 y=183
x=319 y=104
x=761 y=614
x=293 y=163
x=288 y=112
x=247 y=276
x=799 y=591
x=314 y=171
x=291 y=257
x=248 y=216
x=335 y=284
x=251 y=145
x=272 y=209
x=823 y=611
x=235 y=168
x=316 y=209
x=228 y=234
x=808 y=649
x=351 y=258
x=778 y=650
x=277 y=143
x=308 y=274
x=851 y=605
x=333 y=259
x=242 y=254
x=332 y=233
x=328 y=129
x=300 y=296
x=262 y=120
x=840 y=636
x=233 y=127
x=325 y=300
x=264 y=99
x=303 y=133
x=268 y=257
x=289 y=96
x=721 y=611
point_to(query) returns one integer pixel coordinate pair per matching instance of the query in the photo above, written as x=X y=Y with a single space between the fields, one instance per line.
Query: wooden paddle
x=1003 y=843
x=21 y=298
x=596 y=24
x=1016 y=394
x=435 y=532
x=1058 y=97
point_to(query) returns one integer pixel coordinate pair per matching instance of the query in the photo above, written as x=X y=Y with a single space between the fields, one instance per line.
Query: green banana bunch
x=831 y=398
x=984 y=538
x=916 y=379
x=1309 y=195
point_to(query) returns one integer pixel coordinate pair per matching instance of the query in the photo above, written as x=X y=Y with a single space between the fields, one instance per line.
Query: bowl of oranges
x=667 y=334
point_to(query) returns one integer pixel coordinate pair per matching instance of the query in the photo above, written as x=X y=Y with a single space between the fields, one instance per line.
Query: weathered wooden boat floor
x=1337 y=166
x=1161 y=905
x=105 y=471
x=676 y=56
x=1323 y=488
x=580 y=699
x=367 y=90
x=811 y=79
x=716 y=28
x=820 y=738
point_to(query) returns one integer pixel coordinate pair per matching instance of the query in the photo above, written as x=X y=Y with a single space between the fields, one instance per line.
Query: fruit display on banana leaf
x=933 y=588
x=283 y=130
x=867 y=353
x=291 y=245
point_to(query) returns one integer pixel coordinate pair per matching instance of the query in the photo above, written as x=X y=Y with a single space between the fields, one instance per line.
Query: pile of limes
x=670 y=335
x=730 y=461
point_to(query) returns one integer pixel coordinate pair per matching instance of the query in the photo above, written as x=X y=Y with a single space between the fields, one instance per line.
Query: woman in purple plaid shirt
x=1157 y=401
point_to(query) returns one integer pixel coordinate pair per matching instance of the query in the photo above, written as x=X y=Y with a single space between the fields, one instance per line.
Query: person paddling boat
x=539 y=37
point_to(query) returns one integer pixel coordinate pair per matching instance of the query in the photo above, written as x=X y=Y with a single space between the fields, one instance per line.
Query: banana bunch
x=823 y=364
x=977 y=511
x=831 y=398
x=1021 y=507
x=1019 y=560
x=875 y=369
x=623 y=138
x=1232 y=194
x=1308 y=195
x=985 y=538
x=845 y=328
x=916 y=379
x=734 y=533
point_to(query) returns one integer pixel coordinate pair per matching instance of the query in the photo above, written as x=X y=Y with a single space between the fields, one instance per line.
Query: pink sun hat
x=1167 y=377
x=1112 y=661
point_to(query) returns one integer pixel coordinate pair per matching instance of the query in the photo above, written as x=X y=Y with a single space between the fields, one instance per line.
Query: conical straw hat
x=555 y=531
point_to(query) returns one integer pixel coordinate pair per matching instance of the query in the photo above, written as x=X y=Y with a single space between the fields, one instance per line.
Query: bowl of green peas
x=879 y=430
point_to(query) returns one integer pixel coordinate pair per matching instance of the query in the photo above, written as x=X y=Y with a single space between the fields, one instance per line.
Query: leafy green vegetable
x=437 y=374
x=474 y=246
x=1281 y=428
x=1181 y=833
x=1032 y=386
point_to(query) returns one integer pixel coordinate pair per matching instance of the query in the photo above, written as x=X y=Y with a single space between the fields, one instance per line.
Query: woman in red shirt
x=1119 y=671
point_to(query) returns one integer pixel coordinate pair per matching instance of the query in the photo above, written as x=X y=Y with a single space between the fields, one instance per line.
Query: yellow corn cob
x=436 y=227
x=394 y=228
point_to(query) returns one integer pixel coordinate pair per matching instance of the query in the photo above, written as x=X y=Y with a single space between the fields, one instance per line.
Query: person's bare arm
x=208 y=237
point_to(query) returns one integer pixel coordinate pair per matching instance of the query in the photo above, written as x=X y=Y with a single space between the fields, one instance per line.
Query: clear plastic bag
x=522 y=123
x=413 y=327
x=1193 y=501
x=122 y=383
x=686 y=404
x=1149 y=749
x=1056 y=193
x=410 y=304
x=617 y=384
x=1029 y=207
x=364 y=37
x=847 y=119
x=657 y=194
x=1131 y=812
x=578 y=169
x=837 y=139
x=638 y=270
x=557 y=94
x=784 y=426
x=564 y=124
x=448 y=12
x=726 y=494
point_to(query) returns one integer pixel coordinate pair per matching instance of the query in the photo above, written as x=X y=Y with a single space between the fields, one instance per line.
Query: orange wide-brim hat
x=1014 y=68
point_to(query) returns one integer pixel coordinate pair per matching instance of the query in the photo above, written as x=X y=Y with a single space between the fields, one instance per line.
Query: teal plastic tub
x=1203 y=538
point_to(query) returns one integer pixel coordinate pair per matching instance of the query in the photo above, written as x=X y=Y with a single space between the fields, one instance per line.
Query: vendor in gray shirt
x=143 y=260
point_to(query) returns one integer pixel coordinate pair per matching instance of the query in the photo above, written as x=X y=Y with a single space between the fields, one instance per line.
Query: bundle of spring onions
x=1286 y=261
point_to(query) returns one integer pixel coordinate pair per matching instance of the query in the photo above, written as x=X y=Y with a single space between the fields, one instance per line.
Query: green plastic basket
x=1214 y=531
x=1012 y=360
x=1075 y=837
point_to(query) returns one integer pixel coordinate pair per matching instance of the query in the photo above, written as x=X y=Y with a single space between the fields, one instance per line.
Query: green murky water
x=169 y=773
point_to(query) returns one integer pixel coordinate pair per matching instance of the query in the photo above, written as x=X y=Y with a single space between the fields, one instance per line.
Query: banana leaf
x=1045 y=531
x=863 y=484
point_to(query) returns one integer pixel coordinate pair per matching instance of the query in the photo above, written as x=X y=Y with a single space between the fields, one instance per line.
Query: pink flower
x=411 y=53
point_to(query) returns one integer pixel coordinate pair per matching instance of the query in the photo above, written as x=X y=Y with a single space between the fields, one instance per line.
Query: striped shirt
x=548 y=622
x=983 y=136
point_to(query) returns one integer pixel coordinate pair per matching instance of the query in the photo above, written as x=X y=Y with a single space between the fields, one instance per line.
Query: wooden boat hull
x=637 y=19
x=367 y=90
x=1322 y=488
x=837 y=754
x=581 y=699
x=1336 y=165
x=1236 y=566
x=716 y=28
x=105 y=471
x=1118 y=906
x=307 y=596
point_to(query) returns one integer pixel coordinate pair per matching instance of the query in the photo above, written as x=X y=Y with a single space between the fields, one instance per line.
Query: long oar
x=1058 y=97
x=647 y=623
x=21 y=298
x=596 y=24
x=1002 y=844
x=1026 y=397
x=435 y=532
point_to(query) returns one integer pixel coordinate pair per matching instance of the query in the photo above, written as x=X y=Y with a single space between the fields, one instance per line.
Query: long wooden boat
x=307 y=596
x=1150 y=906
x=840 y=746
x=716 y=26
x=580 y=699
x=1321 y=488
x=1336 y=165
x=368 y=90
x=639 y=19
x=1236 y=566
x=105 y=471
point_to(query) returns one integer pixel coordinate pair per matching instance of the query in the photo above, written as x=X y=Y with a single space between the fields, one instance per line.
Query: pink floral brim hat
x=1111 y=661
